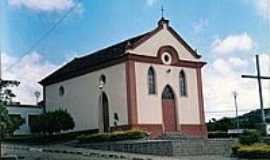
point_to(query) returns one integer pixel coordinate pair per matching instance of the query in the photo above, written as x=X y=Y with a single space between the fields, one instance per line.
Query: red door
x=168 y=110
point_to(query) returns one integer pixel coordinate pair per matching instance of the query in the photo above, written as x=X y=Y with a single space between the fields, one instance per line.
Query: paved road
x=38 y=154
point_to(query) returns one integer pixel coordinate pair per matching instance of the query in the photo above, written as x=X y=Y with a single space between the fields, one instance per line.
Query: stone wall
x=174 y=148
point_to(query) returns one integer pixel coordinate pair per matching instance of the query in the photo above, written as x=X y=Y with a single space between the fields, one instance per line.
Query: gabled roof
x=83 y=65
x=74 y=67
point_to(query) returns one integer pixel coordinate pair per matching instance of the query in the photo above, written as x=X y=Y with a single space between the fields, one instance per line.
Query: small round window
x=166 y=58
x=61 y=91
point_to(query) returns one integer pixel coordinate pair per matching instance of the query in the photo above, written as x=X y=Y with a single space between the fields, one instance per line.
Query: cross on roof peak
x=162 y=11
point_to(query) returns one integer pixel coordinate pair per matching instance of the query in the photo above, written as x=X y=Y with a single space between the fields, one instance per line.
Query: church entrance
x=169 y=110
x=104 y=108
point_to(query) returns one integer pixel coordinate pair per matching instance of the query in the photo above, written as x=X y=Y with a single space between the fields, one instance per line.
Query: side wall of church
x=150 y=106
x=81 y=98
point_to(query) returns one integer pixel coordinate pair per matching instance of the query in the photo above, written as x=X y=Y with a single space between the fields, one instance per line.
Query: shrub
x=47 y=139
x=52 y=122
x=235 y=149
x=114 y=136
x=252 y=151
x=250 y=137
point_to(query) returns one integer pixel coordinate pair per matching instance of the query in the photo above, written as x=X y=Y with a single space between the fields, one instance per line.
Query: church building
x=152 y=81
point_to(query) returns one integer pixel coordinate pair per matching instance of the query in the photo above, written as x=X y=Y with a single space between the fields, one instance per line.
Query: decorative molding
x=200 y=95
x=155 y=130
x=131 y=93
x=171 y=51
x=157 y=60
x=122 y=59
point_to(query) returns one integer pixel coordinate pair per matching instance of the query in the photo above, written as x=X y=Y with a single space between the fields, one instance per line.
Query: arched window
x=183 y=83
x=102 y=79
x=151 y=81
x=61 y=91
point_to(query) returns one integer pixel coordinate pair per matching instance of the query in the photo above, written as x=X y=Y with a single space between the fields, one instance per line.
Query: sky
x=227 y=33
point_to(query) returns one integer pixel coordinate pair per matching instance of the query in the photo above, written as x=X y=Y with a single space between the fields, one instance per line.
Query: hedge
x=47 y=139
x=250 y=137
x=114 y=136
x=252 y=151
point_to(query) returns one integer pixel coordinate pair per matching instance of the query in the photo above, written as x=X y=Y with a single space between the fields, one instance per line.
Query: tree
x=52 y=122
x=221 y=125
x=6 y=94
x=7 y=124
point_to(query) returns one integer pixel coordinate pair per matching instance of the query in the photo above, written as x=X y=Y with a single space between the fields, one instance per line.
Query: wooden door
x=168 y=110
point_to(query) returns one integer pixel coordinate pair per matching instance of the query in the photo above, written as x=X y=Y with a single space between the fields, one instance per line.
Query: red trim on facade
x=157 y=60
x=173 y=32
x=183 y=42
x=145 y=38
x=200 y=96
x=201 y=101
x=131 y=93
x=125 y=58
x=171 y=50
x=154 y=130
x=194 y=130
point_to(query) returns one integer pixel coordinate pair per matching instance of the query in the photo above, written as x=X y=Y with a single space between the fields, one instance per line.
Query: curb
x=89 y=153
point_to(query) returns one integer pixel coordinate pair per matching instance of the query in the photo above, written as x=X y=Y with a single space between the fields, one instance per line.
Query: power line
x=46 y=34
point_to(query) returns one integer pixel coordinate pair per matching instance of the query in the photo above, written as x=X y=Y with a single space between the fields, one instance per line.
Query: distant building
x=152 y=81
x=26 y=112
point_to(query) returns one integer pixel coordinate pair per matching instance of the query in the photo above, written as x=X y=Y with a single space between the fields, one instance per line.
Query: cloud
x=151 y=2
x=200 y=25
x=223 y=76
x=232 y=43
x=43 y=5
x=29 y=71
x=236 y=61
x=262 y=7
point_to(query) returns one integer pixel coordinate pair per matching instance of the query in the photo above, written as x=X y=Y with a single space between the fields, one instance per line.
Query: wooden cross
x=259 y=78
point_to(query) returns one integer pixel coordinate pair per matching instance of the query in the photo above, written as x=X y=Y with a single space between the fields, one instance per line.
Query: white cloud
x=223 y=76
x=151 y=2
x=200 y=25
x=236 y=61
x=240 y=42
x=262 y=7
x=43 y=5
x=29 y=71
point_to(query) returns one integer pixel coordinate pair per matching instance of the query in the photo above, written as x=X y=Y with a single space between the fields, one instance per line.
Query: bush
x=235 y=148
x=114 y=136
x=52 y=122
x=252 y=151
x=47 y=139
x=250 y=137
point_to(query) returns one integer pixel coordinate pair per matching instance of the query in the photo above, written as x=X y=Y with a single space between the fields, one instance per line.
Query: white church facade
x=152 y=81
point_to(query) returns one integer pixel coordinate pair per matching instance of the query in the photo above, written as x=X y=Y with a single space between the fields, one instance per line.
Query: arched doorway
x=104 y=113
x=169 y=110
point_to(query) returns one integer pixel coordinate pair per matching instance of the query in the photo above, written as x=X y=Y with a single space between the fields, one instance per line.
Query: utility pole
x=259 y=78
x=236 y=109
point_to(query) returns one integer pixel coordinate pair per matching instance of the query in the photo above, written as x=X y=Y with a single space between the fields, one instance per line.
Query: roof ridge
x=98 y=51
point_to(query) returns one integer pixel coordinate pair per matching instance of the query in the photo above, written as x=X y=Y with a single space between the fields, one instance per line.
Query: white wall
x=163 y=38
x=150 y=107
x=24 y=112
x=81 y=97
